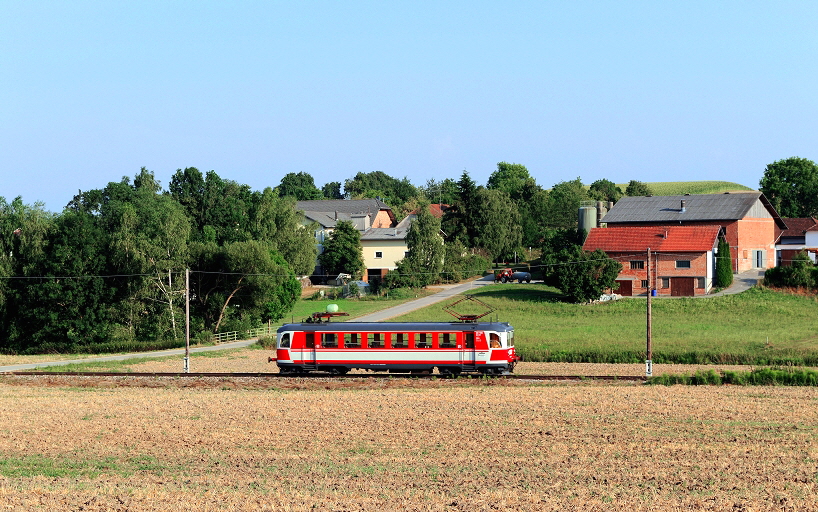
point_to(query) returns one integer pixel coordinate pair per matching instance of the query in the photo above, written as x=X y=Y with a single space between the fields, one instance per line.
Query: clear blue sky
x=653 y=91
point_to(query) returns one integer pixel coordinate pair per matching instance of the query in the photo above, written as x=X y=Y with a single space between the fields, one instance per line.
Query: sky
x=91 y=91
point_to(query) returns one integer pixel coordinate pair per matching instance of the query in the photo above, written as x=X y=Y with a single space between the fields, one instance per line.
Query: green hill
x=674 y=188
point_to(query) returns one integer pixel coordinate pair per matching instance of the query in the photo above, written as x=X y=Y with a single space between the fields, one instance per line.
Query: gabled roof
x=799 y=226
x=698 y=207
x=657 y=238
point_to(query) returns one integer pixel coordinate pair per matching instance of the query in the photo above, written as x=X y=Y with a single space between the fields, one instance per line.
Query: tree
x=422 y=266
x=604 y=190
x=441 y=192
x=724 y=265
x=497 y=224
x=276 y=221
x=241 y=284
x=637 y=188
x=791 y=185
x=563 y=204
x=459 y=221
x=332 y=190
x=300 y=186
x=343 y=252
x=583 y=276
x=555 y=243
x=378 y=184
x=511 y=179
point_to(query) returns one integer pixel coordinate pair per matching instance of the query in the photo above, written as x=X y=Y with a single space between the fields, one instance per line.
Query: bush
x=757 y=377
x=267 y=342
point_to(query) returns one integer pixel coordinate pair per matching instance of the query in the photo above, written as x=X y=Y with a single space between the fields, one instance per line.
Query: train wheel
x=338 y=370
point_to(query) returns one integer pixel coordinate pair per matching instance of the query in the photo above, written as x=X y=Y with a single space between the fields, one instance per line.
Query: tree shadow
x=524 y=293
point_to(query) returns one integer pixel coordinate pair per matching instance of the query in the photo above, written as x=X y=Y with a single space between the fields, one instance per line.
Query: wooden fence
x=222 y=337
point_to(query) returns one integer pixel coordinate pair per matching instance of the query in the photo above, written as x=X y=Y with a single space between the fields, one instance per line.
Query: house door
x=682 y=286
x=625 y=288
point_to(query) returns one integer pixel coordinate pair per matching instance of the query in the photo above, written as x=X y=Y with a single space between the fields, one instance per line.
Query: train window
x=423 y=340
x=494 y=340
x=285 y=341
x=448 y=340
x=469 y=340
x=375 y=340
x=330 y=340
x=351 y=340
x=510 y=338
x=400 y=340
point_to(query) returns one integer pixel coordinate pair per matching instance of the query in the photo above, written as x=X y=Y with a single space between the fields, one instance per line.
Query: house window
x=637 y=265
x=405 y=254
x=378 y=254
x=682 y=263
x=700 y=282
x=644 y=283
x=665 y=282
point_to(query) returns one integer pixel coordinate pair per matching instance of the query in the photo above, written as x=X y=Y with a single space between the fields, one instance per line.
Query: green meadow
x=756 y=327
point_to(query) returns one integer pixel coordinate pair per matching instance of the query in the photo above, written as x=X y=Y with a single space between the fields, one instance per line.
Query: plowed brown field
x=71 y=443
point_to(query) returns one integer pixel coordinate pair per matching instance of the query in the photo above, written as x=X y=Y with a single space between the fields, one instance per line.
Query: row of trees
x=110 y=267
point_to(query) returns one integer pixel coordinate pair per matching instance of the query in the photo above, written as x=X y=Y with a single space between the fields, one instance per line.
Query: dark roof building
x=750 y=223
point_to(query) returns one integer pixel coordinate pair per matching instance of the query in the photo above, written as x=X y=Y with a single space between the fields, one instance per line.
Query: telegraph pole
x=649 y=358
x=187 y=320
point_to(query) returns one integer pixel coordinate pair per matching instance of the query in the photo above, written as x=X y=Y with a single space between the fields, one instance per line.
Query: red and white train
x=409 y=347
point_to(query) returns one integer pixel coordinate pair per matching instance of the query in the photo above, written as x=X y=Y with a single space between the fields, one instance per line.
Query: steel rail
x=326 y=375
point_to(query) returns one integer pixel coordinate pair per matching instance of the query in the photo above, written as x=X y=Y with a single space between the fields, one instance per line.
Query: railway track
x=325 y=376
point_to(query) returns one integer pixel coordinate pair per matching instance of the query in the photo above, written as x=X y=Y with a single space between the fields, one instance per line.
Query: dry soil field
x=72 y=443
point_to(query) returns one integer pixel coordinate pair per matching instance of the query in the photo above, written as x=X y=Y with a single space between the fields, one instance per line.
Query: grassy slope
x=672 y=188
x=730 y=329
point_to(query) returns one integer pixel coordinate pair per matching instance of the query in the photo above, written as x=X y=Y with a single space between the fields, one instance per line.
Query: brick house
x=801 y=235
x=749 y=222
x=682 y=258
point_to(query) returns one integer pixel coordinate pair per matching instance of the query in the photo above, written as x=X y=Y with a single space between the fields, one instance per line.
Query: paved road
x=162 y=353
x=448 y=292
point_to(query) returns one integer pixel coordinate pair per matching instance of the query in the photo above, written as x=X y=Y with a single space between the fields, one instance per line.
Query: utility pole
x=187 y=320
x=649 y=358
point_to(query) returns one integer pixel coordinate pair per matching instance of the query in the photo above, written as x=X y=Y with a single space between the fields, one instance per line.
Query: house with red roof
x=681 y=261
x=801 y=235
x=750 y=222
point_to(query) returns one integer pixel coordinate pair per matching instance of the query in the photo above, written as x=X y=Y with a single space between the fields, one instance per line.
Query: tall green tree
x=424 y=261
x=563 y=204
x=379 y=184
x=299 y=185
x=724 y=265
x=497 y=224
x=791 y=185
x=332 y=190
x=583 y=276
x=343 y=252
x=637 y=188
x=513 y=179
x=241 y=284
x=276 y=221
x=604 y=190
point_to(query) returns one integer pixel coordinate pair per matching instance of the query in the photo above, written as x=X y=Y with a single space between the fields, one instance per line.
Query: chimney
x=684 y=207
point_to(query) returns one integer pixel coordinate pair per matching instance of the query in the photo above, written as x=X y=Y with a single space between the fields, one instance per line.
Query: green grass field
x=755 y=327
x=673 y=188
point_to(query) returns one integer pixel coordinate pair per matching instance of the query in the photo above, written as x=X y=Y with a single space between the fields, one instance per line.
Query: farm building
x=682 y=258
x=750 y=223
x=801 y=235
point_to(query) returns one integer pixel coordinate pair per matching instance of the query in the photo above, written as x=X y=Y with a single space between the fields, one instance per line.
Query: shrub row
x=692 y=357
x=757 y=377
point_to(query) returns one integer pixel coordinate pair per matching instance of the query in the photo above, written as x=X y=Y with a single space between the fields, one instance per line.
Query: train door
x=312 y=341
x=467 y=352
